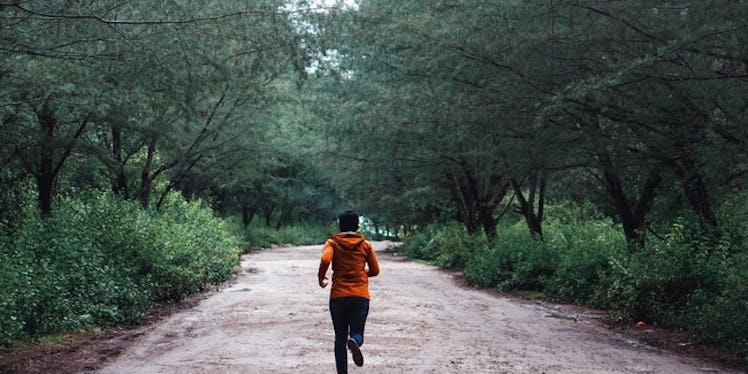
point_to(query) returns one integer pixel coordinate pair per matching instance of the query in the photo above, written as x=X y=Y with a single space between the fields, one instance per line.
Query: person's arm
x=371 y=260
x=324 y=264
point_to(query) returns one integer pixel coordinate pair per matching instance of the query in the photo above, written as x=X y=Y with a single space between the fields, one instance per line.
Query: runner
x=349 y=254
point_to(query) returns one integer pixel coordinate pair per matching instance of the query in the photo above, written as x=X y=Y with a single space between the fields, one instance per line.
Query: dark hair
x=348 y=221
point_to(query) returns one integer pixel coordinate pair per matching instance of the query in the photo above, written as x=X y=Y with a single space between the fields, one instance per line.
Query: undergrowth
x=101 y=261
x=682 y=279
x=258 y=235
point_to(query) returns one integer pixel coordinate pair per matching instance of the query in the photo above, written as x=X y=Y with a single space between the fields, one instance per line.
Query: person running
x=349 y=254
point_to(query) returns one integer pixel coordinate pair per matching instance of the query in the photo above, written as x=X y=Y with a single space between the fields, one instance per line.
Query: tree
x=482 y=97
x=151 y=90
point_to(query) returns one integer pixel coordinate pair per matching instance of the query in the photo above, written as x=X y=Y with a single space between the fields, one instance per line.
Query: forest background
x=582 y=151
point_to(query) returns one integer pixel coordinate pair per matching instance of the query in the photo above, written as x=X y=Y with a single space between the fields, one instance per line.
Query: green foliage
x=584 y=251
x=455 y=247
x=720 y=315
x=196 y=96
x=12 y=275
x=690 y=280
x=414 y=245
x=190 y=248
x=568 y=265
x=258 y=235
x=102 y=261
x=684 y=279
x=15 y=199
x=58 y=279
x=454 y=100
x=515 y=261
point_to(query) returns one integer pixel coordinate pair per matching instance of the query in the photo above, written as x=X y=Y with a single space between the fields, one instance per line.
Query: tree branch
x=242 y=12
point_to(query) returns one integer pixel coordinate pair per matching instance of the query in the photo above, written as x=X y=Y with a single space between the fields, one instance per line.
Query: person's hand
x=322 y=281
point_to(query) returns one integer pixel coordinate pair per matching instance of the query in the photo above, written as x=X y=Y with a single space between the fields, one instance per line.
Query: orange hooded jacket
x=349 y=254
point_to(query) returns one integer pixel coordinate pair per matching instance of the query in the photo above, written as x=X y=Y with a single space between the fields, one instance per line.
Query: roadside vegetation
x=258 y=235
x=679 y=279
x=99 y=261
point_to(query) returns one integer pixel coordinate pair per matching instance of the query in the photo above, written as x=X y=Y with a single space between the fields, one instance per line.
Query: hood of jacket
x=347 y=240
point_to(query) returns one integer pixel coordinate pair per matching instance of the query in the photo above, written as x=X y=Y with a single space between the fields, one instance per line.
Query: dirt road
x=274 y=319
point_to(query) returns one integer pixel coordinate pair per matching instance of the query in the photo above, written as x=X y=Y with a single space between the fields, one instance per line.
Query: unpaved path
x=274 y=319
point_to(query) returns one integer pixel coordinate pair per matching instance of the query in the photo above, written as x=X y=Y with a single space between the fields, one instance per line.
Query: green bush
x=454 y=247
x=687 y=282
x=446 y=245
x=102 y=261
x=488 y=268
x=190 y=248
x=516 y=261
x=258 y=235
x=12 y=277
x=585 y=252
x=718 y=312
x=416 y=246
x=61 y=280
x=687 y=277
x=721 y=315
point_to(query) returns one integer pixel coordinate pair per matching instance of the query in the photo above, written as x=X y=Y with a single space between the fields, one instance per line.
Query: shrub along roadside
x=101 y=261
x=679 y=280
x=258 y=235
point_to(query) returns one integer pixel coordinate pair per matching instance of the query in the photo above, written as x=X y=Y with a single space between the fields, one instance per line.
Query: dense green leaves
x=488 y=101
x=148 y=98
x=677 y=280
x=101 y=261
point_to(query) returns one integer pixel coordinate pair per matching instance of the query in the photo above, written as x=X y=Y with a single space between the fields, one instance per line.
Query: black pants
x=348 y=318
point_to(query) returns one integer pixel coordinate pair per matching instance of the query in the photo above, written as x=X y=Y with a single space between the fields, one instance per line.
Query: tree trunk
x=476 y=205
x=698 y=197
x=632 y=218
x=533 y=219
x=45 y=176
x=487 y=218
x=146 y=179
x=696 y=192
x=47 y=168
x=248 y=214
x=488 y=222
x=465 y=201
x=284 y=218
x=220 y=199
x=119 y=180
x=267 y=211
